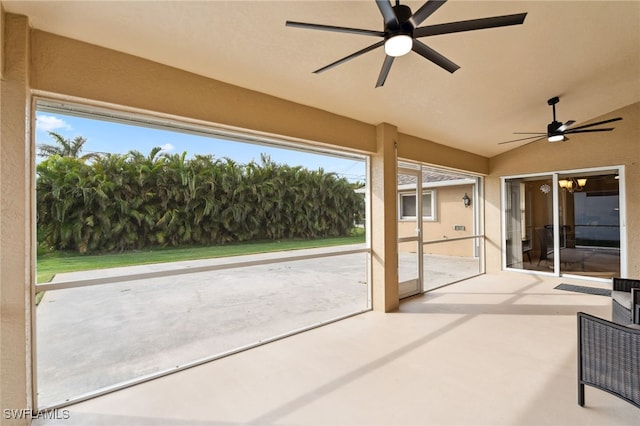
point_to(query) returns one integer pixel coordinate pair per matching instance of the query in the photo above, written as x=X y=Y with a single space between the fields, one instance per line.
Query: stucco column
x=384 y=220
x=15 y=226
x=492 y=224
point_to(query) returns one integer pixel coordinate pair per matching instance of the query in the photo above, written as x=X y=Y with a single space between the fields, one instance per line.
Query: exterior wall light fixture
x=466 y=200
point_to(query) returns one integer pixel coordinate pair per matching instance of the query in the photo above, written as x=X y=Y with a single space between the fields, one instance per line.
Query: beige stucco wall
x=70 y=67
x=15 y=222
x=428 y=152
x=384 y=217
x=619 y=147
x=450 y=211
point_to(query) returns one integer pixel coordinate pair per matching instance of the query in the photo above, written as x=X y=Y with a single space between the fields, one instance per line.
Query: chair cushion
x=623 y=298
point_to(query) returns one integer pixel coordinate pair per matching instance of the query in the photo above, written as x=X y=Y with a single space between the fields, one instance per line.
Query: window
x=408 y=205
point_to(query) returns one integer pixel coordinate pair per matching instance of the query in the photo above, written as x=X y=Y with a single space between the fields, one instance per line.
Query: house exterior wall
x=619 y=147
x=450 y=211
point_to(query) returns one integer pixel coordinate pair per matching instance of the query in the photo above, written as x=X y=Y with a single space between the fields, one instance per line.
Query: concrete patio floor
x=90 y=338
x=498 y=349
x=96 y=337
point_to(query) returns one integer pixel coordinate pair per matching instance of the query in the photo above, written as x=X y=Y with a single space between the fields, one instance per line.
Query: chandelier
x=572 y=184
x=545 y=188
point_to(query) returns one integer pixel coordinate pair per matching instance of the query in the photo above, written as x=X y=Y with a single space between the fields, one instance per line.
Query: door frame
x=414 y=285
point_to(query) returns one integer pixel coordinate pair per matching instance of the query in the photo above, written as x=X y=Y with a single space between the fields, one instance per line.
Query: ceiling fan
x=401 y=33
x=556 y=131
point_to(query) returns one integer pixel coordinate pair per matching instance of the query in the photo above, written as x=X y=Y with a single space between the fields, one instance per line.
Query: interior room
x=500 y=155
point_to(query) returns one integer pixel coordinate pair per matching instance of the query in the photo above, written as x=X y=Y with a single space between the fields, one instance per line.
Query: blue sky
x=103 y=136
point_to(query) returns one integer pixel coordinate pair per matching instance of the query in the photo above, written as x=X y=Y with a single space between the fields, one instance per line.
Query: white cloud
x=49 y=123
x=167 y=147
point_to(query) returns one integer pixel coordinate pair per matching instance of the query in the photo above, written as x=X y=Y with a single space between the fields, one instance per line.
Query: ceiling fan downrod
x=553 y=129
x=553 y=101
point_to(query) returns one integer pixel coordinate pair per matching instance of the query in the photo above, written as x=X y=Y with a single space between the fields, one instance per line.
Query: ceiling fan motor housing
x=552 y=131
x=405 y=27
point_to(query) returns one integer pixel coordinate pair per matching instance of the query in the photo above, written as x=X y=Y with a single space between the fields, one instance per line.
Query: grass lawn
x=50 y=264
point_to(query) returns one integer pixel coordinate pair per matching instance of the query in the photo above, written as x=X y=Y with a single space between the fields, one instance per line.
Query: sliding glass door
x=589 y=224
x=529 y=220
x=564 y=223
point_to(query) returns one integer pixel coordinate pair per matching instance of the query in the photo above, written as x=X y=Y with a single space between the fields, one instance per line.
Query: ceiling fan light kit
x=398 y=45
x=555 y=138
x=401 y=33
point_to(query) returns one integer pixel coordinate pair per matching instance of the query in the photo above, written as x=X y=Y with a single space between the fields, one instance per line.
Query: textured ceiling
x=586 y=52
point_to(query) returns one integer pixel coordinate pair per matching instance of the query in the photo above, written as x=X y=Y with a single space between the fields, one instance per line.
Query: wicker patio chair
x=625 y=301
x=608 y=358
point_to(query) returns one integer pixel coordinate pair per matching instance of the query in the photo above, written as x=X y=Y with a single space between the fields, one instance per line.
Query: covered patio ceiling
x=586 y=52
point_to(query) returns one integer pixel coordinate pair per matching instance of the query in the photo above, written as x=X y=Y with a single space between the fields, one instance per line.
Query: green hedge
x=120 y=202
